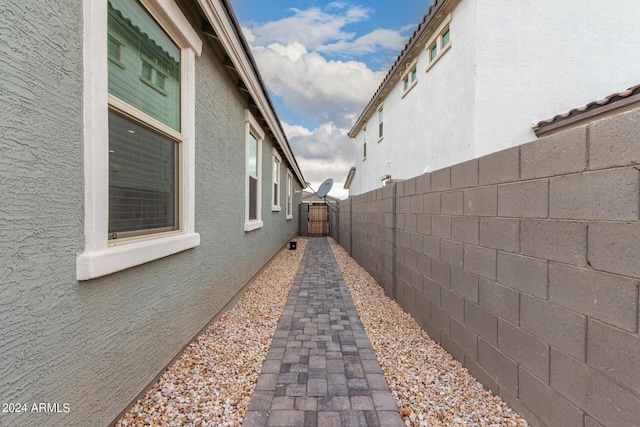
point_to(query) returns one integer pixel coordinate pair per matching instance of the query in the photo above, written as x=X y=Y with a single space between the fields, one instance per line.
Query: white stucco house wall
x=477 y=75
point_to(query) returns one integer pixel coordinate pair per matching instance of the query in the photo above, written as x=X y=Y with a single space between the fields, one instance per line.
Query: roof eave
x=227 y=29
x=352 y=173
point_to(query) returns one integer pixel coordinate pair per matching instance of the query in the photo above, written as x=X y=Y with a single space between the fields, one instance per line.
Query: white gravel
x=212 y=382
x=430 y=387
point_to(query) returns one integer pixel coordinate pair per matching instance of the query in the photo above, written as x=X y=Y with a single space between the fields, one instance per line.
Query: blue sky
x=322 y=61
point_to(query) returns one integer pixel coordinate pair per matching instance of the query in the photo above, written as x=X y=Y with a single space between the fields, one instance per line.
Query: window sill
x=118 y=62
x=437 y=58
x=153 y=86
x=381 y=138
x=289 y=217
x=276 y=208
x=253 y=225
x=90 y=265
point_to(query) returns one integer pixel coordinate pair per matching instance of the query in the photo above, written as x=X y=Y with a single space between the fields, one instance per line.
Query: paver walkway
x=321 y=370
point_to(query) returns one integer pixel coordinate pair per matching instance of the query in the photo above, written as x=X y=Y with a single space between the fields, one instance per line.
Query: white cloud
x=316 y=88
x=311 y=27
x=369 y=43
x=324 y=152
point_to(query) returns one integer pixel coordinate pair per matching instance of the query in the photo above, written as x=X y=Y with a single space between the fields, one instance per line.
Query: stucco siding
x=96 y=344
x=537 y=59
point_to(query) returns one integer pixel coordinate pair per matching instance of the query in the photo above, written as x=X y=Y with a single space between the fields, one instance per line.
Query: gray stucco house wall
x=96 y=344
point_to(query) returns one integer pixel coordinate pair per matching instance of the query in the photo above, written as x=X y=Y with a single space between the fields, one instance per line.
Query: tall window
x=364 y=143
x=276 y=160
x=380 y=124
x=253 y=204
x=433 y=52
x=289 y=195
x=144 y=123
x=253 y=177
x=139 y=134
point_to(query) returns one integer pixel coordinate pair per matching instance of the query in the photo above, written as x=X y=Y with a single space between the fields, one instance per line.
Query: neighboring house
x=145 y=178
x=478 y=74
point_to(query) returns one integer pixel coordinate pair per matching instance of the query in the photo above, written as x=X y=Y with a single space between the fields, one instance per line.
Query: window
x=114 y=49
x=446 y=37
x=253 y=203
x=410 y=77
x=276 y=160
x=433 y=52
x=440 y=42
x=380 y=125
x=153 y=76
x=289 y=195
x=138 y=142
x=364 y=143
x=144 y=126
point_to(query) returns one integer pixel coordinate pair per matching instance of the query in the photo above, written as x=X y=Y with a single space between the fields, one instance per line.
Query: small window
x=147 y=71
x=253 y=193
x=446 y=37
x=364 y=143
x=380 y=124
x=289 y=195
x=433 y=52
x=410 y=77
x=113 y=48
x=276 y=160
x=153 y=76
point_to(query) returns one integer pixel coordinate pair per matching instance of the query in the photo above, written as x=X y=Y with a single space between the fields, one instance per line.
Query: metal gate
x=318 y=220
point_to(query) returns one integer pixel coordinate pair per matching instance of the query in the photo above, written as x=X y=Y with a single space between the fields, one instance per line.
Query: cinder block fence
x=525 y=266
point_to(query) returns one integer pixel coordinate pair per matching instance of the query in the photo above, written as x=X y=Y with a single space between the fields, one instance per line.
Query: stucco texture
x=96 y=344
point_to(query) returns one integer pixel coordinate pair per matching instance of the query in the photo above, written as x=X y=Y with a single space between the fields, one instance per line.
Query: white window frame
x=289 y=207
x=364 y=143
x=410 y=77
x=436 y=40
x=101 y=257
x=155 y=70
x=252 y=127
x=380 y=122
x=275 y=194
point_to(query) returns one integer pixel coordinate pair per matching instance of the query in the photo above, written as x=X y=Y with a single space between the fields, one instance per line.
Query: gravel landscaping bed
x=430 y=387
x=212 y=382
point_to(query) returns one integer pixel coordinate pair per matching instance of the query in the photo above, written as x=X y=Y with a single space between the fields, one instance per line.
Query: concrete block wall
x=525 y=266
x=344 y=225
x=372 y=235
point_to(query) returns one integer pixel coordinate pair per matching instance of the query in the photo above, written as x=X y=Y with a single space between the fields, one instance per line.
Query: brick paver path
x=321 y=370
